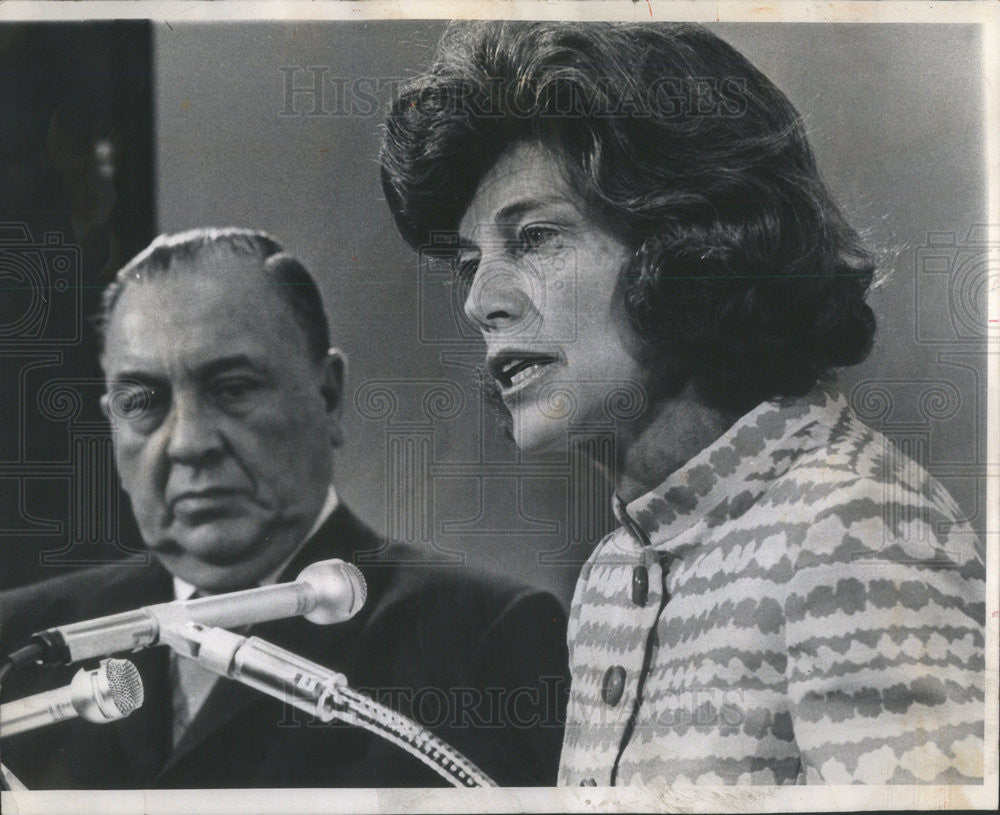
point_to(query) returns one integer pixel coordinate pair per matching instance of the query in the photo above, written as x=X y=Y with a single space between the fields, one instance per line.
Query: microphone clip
x=256 y=662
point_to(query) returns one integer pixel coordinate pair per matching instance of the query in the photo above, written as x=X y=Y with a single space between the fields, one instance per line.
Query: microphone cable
x=19 y=658
x=361 y=711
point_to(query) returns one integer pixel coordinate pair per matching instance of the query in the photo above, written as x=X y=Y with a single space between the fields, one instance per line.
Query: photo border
x=627 y=799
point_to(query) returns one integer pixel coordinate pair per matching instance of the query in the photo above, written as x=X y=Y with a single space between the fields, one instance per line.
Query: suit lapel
x=145 y=735
x=341 y=535
x=225 y=702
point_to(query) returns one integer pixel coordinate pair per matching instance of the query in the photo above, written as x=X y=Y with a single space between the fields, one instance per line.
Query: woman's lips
x=515 y=370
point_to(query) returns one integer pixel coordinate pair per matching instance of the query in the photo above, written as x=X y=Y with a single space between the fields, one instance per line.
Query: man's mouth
x=514 y=370
x=193 y=502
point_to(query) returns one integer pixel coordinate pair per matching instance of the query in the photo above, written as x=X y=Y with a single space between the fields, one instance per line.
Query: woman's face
x=542 y=280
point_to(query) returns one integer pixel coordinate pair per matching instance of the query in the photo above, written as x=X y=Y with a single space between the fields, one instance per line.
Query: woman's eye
x=466 y=269
x=132 y=402
x=532 y=237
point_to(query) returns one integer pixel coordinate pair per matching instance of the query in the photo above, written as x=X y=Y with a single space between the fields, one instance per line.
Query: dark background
x=895 y=116
x=77 y=199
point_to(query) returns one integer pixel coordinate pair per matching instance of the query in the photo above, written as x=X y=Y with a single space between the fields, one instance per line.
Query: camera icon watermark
x=964 y=272
x=40 y=288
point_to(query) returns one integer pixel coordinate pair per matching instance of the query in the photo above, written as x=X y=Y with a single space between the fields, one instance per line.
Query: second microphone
x=330 y=591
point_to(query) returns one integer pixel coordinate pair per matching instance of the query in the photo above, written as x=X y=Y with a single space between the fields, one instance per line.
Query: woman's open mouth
x=514 y=370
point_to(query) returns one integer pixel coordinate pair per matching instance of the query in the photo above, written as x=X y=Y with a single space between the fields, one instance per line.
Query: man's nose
x=501 y=296
x=193 y=432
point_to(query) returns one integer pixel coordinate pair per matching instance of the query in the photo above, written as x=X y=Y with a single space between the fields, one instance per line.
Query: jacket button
x=640 y=585
x=588 y=782
x=614 y=685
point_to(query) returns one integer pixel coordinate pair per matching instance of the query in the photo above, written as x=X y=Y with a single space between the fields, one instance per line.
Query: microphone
x=319 y=691
x=109 y=692
x=326 y=592
x=266 y=667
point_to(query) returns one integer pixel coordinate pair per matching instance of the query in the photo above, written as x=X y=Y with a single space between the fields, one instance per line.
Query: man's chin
x=217 y=556
x=209 y=576
x=218 y=547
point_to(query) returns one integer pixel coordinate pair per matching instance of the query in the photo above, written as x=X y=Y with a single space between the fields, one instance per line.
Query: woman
x=638 y=207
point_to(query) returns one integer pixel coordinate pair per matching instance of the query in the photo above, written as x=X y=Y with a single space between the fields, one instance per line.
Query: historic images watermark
x=316 y=90
x=542 y=705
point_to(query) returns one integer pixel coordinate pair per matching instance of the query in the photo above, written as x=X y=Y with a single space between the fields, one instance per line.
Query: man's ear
x=334 y=372
x=105 y=402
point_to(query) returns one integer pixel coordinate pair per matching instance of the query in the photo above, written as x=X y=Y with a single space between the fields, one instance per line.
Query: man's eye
x=231 y=389
x=134 y=403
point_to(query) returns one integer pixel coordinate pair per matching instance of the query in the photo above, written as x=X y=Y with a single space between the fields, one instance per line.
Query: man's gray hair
x=290 y=278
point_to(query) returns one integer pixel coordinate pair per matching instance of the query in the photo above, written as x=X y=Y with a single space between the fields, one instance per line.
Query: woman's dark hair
x=746 y=277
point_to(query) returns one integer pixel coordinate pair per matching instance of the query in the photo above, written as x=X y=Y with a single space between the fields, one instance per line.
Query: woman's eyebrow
x=510 y=213
x=516 y=209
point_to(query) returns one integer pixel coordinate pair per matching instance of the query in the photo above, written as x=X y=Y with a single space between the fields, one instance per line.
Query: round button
x=614 y=685
x=588 y=782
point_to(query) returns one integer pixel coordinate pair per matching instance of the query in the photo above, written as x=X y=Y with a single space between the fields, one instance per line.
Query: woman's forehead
x=528 y=174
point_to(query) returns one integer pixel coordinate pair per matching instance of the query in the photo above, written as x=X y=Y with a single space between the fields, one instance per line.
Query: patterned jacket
x=799 y=603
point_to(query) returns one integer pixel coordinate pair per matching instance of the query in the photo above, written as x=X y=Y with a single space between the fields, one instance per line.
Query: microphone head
x=111 y=691
x=124 y=685
x=340 y=589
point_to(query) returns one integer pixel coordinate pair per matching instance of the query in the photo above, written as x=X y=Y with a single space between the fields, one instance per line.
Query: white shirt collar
x=183 y=590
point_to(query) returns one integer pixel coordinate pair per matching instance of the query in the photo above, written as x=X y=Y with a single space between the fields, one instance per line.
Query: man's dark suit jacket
x=479 y=661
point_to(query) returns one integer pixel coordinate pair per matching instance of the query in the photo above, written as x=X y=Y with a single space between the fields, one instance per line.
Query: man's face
x=542 y=279
x=223 y=424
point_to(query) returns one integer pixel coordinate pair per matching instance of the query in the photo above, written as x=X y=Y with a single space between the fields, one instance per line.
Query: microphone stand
x=316 y=690
x=8 y=781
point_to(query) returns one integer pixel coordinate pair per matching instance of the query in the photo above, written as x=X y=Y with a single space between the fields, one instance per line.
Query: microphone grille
x=340 y=590
x=124 y=684
x=360 y=583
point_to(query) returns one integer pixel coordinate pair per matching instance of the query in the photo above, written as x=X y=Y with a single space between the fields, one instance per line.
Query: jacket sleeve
x=884 y=627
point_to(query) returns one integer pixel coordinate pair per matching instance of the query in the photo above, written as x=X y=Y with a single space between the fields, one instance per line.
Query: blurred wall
x=895 y=118
x=76 y=201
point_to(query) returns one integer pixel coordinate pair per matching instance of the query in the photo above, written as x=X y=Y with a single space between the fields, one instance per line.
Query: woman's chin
x=536 y=435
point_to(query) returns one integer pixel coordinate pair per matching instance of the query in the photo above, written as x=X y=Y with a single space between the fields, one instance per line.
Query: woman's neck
x=664 y=440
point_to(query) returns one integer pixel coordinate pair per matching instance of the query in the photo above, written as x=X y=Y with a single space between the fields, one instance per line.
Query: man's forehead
x=213 y=276
x=189 y=313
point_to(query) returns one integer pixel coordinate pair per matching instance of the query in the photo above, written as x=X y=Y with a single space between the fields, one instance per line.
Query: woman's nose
x=500 y=297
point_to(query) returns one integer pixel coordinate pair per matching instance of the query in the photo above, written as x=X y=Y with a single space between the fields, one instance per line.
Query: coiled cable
x=357 y=709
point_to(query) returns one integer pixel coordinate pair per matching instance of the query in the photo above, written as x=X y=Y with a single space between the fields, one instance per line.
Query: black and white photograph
x=598 y=403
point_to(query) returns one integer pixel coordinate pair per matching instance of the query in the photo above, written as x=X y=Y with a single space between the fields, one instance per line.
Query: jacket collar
x=727 y=477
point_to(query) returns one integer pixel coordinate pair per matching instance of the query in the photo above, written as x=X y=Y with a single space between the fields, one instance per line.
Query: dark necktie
x=190 y=685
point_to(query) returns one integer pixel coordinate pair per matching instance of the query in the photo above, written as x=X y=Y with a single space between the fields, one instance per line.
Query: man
x=788 y=598
x=224 y=398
